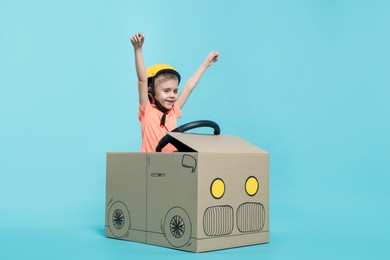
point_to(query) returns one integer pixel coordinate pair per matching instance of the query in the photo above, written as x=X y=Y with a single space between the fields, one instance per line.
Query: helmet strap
x=163 y=110
x=158 y=105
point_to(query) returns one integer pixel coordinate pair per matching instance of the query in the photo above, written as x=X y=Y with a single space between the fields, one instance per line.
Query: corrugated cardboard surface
x=165 y=198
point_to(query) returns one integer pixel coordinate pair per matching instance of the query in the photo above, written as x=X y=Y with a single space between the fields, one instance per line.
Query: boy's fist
x=137 y=40
x=212 y=57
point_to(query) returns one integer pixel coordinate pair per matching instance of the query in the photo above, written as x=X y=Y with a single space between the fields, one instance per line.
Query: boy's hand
x=137 y=40
x=211 y=58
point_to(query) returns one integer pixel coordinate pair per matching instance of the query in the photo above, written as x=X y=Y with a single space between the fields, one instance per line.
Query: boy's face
x=166 y=93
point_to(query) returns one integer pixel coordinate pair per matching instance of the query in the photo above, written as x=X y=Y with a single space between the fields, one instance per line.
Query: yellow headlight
x=217 y=188
x=251 y=186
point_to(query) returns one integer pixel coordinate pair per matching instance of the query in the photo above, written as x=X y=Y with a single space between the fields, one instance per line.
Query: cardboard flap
x=216 y=143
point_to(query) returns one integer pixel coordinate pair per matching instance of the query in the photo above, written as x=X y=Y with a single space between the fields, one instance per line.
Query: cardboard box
x=213 y=196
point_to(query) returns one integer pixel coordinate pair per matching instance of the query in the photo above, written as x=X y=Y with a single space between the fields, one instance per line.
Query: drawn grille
x=250 y=217
x=218 y=221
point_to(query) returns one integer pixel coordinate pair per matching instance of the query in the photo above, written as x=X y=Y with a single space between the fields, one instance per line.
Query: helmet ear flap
x=151 y=86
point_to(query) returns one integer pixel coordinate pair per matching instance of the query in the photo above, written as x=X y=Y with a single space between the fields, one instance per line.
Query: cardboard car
x=213 y=193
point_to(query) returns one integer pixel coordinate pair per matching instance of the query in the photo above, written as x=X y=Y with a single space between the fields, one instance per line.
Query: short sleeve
x=176 y=110
x=142 y=110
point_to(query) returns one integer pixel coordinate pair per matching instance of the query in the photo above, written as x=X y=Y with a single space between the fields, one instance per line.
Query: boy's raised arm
x=138 y=40
x=194 y=79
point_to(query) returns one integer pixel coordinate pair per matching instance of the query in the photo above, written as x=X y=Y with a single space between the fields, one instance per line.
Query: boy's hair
x=163 y=77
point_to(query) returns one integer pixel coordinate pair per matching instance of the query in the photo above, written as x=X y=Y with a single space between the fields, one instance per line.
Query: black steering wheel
x=183 y=128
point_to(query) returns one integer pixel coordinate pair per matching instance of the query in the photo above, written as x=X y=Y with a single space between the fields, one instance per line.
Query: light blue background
x=307 y=81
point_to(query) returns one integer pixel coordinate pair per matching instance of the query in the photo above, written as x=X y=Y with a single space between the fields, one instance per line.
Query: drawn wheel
x=177 y=227
x=118 y=219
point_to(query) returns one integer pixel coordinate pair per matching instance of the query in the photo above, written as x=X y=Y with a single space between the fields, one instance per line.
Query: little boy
x=159 y=102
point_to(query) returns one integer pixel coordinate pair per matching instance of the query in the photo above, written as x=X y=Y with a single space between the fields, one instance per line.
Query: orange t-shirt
x=152 y=132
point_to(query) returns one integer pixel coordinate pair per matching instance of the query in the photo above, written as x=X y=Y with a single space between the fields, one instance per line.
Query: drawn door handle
x=157 y=174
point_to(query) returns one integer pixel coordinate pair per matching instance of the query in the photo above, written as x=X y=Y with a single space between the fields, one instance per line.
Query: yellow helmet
x=155 y=70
